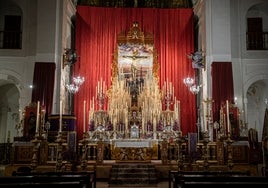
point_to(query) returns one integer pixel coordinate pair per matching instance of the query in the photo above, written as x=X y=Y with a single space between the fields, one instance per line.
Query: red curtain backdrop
x=43 y=85
x=222 y=86
x=96 y=34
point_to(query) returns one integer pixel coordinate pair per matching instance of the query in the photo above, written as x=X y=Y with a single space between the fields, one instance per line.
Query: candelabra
x=229 y=142
x=100 y=93
x=180 y=158
x=168 y=94
x=205 y=150
x=36 y=142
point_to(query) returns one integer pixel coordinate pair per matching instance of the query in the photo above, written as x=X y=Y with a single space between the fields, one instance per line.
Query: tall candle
x=227 y=114
x=179 y=114
x=84 y=117
x=37 y=117
x=60 y=129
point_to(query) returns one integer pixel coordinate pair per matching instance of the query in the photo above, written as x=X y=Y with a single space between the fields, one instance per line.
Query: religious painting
x=135 y=61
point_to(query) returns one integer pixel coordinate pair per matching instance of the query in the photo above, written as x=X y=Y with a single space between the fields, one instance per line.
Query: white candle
x=60 y=127
x=84 y=117
x=37 y=117
x=179 y=114
x=227 y=114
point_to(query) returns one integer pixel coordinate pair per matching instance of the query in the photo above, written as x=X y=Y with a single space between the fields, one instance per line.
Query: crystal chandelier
x=78 y=81
x=188 y=81
x=194 y=89
x=74 y=87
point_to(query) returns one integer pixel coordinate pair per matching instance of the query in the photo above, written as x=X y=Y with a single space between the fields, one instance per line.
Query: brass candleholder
x=60 y=141
x=180 y=158
x=229 y=142
x=36 y=141
x=205 y=154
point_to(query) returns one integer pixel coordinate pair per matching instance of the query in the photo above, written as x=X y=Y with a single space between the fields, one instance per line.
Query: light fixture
x=194 y=89
x=78 y=80
x=69 y=57
x=74 y=87
x=188 y=81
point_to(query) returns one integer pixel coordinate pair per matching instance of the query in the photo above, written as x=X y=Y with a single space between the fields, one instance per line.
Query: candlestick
x=84 y=117
x=60 y=129
x=227 y=114
x=37 y=117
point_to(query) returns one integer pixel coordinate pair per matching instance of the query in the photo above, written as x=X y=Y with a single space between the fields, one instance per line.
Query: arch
x=11 y=88
x=252 y=80
x=12 y=77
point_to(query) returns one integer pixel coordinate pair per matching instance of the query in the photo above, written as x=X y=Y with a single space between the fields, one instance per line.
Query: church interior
x=133 y=93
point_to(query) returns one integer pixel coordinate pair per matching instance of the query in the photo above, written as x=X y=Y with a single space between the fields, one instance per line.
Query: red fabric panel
x=96 y=32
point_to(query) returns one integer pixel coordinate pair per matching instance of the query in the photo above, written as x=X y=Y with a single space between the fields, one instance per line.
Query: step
x=133 y=175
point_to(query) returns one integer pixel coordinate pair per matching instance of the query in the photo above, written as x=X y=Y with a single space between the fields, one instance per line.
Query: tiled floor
x=163 y=184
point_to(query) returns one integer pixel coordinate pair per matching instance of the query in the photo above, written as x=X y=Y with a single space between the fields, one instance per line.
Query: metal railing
x=257 y=40
x=10 y=39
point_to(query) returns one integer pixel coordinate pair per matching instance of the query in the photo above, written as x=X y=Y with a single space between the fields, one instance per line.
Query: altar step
x=133 y=175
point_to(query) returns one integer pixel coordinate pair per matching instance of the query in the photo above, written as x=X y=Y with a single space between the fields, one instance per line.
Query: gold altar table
x=134 y=150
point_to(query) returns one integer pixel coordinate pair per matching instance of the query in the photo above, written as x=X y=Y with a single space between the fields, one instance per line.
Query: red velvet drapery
x=222 y=86
x=43 y=82
x=96 y=33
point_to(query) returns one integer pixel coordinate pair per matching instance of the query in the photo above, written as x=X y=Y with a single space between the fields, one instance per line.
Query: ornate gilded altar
x=134 y=150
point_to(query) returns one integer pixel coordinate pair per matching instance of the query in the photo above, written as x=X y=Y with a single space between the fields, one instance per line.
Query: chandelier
x=74 y=87
x=190 y=83
x=78 y=81
x=194 y=89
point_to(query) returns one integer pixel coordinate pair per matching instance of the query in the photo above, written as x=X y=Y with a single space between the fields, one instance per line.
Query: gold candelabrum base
x=229 y=142
x=205 y=151
x=84 y=142
x=180 y=158
x=59 y=141
x=36 y=141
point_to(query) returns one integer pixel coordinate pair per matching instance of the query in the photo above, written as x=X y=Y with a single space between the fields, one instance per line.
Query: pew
x=212 y=181
x=173 y=173
x=86 y=179
x=41 y=182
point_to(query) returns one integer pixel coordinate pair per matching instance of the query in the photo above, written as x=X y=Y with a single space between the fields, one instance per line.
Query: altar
x=134 y=143
x=134 y=149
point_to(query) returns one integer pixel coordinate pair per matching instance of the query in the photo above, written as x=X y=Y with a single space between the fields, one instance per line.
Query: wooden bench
x=40 y=182
x=212 y=181
x=85 y=179
x=173 y=173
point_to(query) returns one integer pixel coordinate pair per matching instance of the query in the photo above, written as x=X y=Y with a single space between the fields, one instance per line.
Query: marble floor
x=102 y=184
